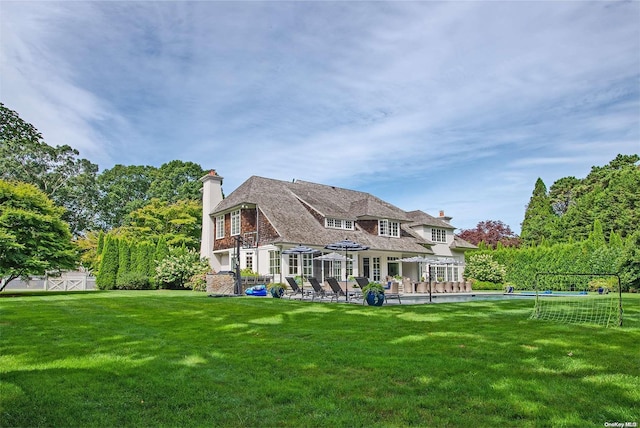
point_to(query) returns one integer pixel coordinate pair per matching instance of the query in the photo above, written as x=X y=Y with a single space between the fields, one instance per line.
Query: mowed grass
x=169 y=358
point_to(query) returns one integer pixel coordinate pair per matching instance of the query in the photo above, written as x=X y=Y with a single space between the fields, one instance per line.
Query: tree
x=124 y=259
x=630 y=263
x=491 y=232
x=123 y=189
x=176 y=181
x=539 y=218
x=562 y=194
x=108 y=272
x=178 y=223
x=68 y=181
x=33 y=237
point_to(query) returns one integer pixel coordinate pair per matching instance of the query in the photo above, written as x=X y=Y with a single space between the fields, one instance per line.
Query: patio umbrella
x=346 y=246
x=420 y=259
x=331 y=257
x=300 y=249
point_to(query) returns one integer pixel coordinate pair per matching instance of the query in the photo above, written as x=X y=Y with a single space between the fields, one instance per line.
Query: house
x=263 y=217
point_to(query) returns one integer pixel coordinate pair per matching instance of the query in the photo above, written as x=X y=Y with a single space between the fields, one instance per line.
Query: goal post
x=583 y=298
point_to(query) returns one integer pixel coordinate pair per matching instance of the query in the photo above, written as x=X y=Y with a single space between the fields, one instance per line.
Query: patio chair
x=455 y=288
x=335 y=287
x=295 y=289
x=407 y=285
x=440 y=287
x=448 y=287
x=467 y=286
x=319 y=291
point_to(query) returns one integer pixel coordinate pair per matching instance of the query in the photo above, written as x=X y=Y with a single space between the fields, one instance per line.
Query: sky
x=457 y=106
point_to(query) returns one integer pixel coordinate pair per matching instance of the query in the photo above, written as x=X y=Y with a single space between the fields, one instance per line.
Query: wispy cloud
x=430 y=105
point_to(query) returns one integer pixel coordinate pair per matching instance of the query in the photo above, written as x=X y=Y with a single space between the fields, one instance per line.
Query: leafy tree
x=490 y=232
x=178 y=223
x=123 y=189
x=33 y=237
x=67 y=180
x=176 y=181
x=539 y=218
x=90 y=245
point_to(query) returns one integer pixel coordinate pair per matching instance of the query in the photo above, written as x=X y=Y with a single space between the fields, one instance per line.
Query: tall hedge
x=107 y=274
x=593 y=255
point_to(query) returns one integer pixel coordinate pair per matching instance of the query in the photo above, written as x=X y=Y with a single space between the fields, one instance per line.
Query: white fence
x=68 y=281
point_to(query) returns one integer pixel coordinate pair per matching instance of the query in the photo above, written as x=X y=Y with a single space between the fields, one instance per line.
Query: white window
x=274 y=262
x=383 y=227
x=293 y=264
x=220 y=227
x=376 y=269
x=307 y=265
x=249 y=261
x=335 y=223
x=438 y=235
x=388 y=228
x=235 y=223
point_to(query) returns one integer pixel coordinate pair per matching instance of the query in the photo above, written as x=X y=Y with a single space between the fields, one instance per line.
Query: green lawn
x=168 y=358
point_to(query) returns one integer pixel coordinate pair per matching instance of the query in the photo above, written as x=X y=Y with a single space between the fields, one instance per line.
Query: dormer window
x=334 y=223
x=389 y=228
x=438 y=235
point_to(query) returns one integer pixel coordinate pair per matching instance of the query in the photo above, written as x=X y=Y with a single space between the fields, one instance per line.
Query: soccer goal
x=582 y=298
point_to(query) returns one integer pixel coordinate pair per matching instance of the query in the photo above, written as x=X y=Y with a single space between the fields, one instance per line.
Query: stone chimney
x=211 y=197
x=444 y=217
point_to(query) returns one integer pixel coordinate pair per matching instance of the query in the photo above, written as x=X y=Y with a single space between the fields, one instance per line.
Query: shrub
x=177 y=269
x=133 y=281
x=482 y=267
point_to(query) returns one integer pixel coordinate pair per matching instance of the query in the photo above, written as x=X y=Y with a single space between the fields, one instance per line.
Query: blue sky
x=454 y=106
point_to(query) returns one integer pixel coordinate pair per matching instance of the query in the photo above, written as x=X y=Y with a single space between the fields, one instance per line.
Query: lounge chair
x=319 y=291
x=335 y=287
x=295 y=289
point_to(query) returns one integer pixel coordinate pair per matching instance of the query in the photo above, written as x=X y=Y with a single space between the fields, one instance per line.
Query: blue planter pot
x=277 y=292
x=374 y=299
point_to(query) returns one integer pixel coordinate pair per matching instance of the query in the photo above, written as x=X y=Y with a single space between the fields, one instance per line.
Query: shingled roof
x=289 y=205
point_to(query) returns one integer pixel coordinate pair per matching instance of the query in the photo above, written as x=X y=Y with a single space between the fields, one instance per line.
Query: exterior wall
x=211 y=196
x=369 y=226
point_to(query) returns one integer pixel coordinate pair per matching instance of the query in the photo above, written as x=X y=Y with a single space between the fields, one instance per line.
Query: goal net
x=581 y=298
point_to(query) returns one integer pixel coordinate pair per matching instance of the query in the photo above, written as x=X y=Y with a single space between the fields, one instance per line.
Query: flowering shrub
x=175 y=270
x=482 y=267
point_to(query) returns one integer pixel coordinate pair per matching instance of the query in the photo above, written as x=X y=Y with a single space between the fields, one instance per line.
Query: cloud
x=426 y=104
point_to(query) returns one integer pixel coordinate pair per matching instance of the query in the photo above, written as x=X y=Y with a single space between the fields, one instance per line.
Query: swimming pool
x=408 y=299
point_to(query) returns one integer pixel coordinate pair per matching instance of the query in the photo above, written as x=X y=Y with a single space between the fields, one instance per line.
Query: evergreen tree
x=539 y=218
x=124 y=259
x=100 y=246
x=162 y=250
x=107 y=274
x=630 y=264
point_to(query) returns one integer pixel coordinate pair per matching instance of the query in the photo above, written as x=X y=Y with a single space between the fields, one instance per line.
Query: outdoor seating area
x=406 y=286
x=332 y=289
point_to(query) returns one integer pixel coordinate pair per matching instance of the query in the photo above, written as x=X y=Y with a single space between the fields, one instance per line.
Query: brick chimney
x=444 y=217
